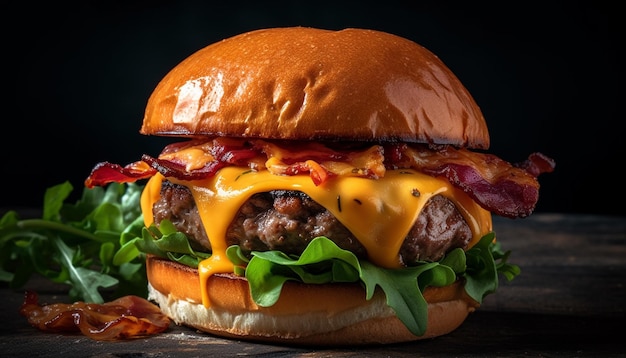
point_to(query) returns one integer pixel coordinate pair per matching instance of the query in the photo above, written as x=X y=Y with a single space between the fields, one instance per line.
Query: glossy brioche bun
x=310 y=84
x=319 y=315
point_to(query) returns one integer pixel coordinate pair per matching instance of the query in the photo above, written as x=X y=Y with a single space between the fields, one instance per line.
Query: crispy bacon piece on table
x=124 y=318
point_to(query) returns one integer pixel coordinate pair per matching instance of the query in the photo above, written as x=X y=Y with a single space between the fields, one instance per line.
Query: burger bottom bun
x=319 y=315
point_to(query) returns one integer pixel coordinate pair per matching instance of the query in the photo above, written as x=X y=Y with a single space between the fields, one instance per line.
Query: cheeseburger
x=322 y=187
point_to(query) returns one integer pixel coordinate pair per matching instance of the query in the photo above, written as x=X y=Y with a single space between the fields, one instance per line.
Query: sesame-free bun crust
x=303 y=83
x=318 y=315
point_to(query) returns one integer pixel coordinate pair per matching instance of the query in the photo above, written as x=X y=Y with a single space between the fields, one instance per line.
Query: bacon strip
x=104 y=173
x=173 y=169
x=503 y=197
x=498 y=186
x=125 y=318
x=505 y=189
x=537 y=164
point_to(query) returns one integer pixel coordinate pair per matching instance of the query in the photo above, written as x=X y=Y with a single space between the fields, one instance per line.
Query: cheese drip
x=379 y=213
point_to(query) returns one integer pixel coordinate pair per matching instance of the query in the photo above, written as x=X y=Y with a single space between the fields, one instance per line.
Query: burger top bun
x=310 y=84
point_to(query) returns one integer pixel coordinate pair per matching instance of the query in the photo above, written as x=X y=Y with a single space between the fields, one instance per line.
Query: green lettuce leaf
x=321 y=262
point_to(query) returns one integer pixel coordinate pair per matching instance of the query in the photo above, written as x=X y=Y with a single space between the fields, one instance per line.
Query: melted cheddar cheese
x=379 y=213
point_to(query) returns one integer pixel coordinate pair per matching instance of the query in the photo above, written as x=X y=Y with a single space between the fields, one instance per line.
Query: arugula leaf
x=83 y=280
x=402 y=291
x=83 y=245
x=485 y=262
x=166 y=242
x=321 y=262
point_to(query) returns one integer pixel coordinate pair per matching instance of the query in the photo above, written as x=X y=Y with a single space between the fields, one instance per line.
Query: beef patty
x=288 y=220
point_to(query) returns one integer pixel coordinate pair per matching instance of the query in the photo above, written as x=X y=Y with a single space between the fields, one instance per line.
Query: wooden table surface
x=569 y=301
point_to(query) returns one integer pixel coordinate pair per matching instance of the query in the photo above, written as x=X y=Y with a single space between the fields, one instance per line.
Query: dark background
x=547 y=77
